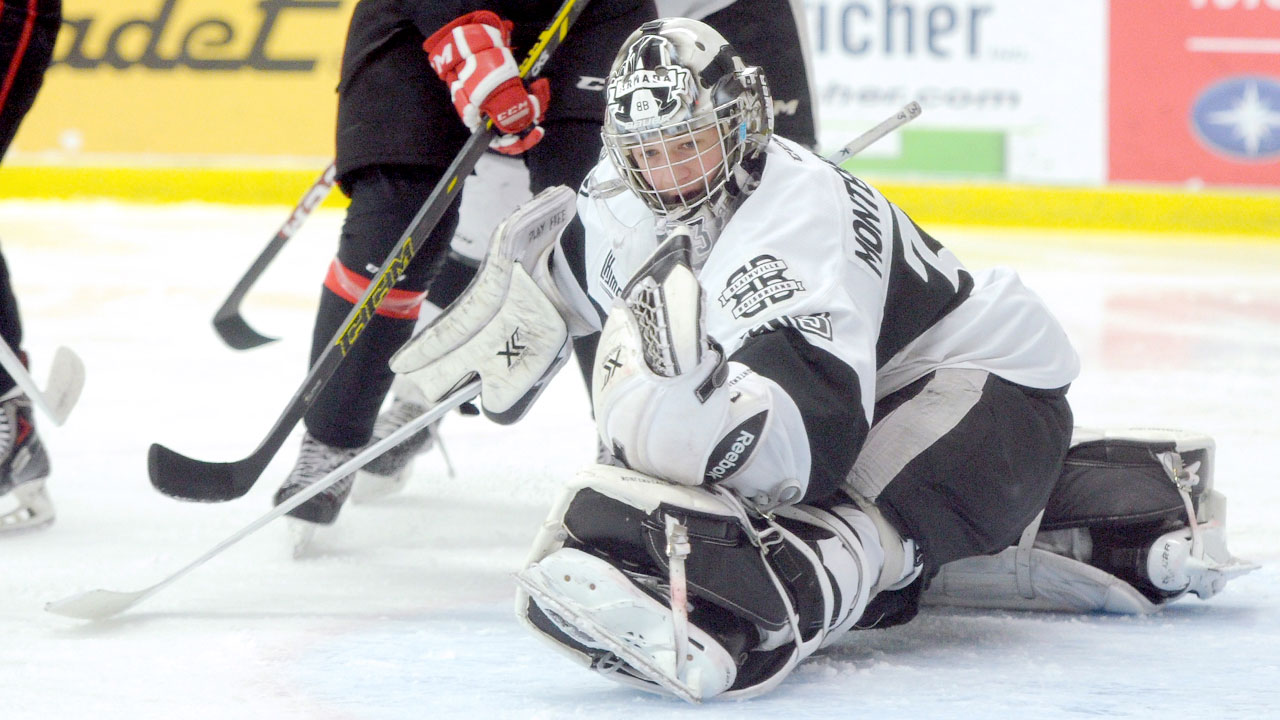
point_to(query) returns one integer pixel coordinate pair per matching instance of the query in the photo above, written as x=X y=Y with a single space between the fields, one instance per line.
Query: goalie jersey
x=821 y=284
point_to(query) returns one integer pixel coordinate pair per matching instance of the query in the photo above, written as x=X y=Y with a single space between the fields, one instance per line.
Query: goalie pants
x=961 y=461
x=27 y=32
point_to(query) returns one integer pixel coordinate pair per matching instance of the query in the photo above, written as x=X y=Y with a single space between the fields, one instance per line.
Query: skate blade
x=301 y=535
x=34 y=509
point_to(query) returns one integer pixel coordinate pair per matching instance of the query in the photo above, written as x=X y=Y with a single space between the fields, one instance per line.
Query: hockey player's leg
x=620 y=550
x=496 y=187
x=389 y=472
x=341 y=419
x=1134 y=523
x=24 y=467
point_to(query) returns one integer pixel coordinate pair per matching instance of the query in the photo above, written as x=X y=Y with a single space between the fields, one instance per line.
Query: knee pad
x=762 y=593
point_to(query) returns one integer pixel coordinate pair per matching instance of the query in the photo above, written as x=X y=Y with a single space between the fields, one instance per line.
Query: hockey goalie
x=817 y=418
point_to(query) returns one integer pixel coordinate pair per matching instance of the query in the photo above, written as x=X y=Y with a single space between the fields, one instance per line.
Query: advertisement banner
x=1011 y=89
x=187 y=80
x=1195 y=91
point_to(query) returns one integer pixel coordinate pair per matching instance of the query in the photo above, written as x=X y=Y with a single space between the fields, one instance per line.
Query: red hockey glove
x=472 y=55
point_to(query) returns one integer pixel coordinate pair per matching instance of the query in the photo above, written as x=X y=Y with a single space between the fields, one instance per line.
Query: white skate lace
x=315 y=460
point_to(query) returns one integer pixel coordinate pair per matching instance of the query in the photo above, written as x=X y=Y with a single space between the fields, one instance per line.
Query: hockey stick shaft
x=227 y=321
x=909 y=112
x=183 y=477
x=100 y=604
x=66 y=380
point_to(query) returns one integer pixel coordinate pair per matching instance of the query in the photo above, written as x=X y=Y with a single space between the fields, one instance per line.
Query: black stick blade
x=236 y=333
x=185 y=478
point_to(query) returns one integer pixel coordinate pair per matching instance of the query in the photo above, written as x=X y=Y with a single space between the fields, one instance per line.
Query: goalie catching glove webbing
x=511 y=325
x=668 y=403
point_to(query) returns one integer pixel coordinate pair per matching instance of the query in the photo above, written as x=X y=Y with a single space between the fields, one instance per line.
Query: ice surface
x=404 y=610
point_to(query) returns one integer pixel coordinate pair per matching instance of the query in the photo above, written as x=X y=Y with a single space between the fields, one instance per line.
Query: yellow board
x=1255 y=214
x=234 y=101
x=189 y=79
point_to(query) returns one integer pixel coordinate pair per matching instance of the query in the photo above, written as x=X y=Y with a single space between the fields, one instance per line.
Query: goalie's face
x=680 y=169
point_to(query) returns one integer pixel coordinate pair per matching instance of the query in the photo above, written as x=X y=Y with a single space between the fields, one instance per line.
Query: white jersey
x=816 y=249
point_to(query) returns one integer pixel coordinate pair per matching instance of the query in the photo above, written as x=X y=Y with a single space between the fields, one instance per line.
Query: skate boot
x=24 y=465
x=315 y=461
x=388 y=473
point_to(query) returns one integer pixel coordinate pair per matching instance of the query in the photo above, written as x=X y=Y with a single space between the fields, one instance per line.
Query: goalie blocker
x=511 y=326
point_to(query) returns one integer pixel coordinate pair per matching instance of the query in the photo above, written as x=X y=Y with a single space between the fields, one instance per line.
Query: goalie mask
x=685 y=124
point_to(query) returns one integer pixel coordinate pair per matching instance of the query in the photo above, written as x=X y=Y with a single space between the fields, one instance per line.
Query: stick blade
x=94 y=604
x=179 y=476
x=66 y=381
x=237 y=334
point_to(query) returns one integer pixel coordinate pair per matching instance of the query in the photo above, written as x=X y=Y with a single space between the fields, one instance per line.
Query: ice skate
x=24 y=466
x=316 y=460
x=388 y=473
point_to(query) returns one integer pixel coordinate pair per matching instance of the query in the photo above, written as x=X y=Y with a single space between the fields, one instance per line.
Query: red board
x=1195 y=91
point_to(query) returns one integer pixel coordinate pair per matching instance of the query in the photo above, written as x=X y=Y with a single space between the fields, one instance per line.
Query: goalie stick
x=66 y=380
x=227 y=321
x=909 y=112
x=186 y=478
x=101 y=604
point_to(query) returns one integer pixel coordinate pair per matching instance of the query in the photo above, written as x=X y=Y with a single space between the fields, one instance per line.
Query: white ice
x=404 y=610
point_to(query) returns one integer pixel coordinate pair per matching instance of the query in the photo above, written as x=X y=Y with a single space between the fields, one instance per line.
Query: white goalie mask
x=685 y=124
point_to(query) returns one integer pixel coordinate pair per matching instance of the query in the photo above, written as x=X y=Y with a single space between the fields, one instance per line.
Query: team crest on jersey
x=758 y=284
x=818 y=324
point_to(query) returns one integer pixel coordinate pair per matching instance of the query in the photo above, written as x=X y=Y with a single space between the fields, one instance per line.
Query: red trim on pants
x=351 y=286
x=28 y=26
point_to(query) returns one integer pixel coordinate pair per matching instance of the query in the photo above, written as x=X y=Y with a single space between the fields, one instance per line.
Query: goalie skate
x=598 y=606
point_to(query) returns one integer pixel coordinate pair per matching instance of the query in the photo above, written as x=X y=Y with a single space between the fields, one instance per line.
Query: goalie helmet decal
x=649 y=91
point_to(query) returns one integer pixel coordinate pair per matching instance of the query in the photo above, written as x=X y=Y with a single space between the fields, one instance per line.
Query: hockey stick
x=227 y=321
x=183 y=477
x=66 y=380
x=101 y=604
x=909 y=112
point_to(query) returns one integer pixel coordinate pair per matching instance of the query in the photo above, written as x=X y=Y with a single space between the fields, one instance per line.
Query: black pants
x=26 y=48
x=961 y=461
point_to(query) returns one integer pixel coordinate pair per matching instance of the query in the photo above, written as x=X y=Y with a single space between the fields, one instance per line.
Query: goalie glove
x=509 y=326
x=472 y=55
x=669 y=404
